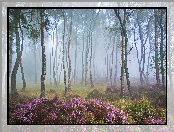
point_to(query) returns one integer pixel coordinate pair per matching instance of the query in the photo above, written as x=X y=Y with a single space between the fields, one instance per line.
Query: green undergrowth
x=143 y=107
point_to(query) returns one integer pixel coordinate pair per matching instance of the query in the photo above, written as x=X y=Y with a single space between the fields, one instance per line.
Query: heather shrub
x=72 y=96
x=73 y=111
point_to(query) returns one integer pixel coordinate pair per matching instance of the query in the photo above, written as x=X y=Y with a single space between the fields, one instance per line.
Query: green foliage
x=34 y=33
x=142 y=113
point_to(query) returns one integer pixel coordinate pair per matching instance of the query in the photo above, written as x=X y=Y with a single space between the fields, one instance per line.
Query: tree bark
x=115 y=75
x=124 y=62
x=43 y=55
x=86 y=62
x=122 y=69
x=14 y=92
x=75 y=59
x=69 y=69
x=156 y=48
x=20 y=61
x=161 y=51
x=92 y=85
x=64 y=55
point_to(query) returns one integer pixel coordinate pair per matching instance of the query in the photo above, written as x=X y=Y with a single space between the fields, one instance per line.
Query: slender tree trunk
x=35 y=64
x=94 y=63
x=126 y=68
x=86 y=62
x=161 y=51
x=124 y=62
x=54 y=60
x=156 y=49
x=56 y=56
x=142 y=60
x=107 y=70
x=54 y=70
x=147 y=73
x=115 y=74
x=122 y=68
x=63 y=56
x=122 y=50
x=10 y=51
x=20 y=61
x=43 y=55
x=69 y=69
x=111 y=74
x=82 y=60
x=50 y=71
x=92 y=85
x=82 y=69
x=75 y=59
x=111 y=64
x=142 y=53
x=14 y=92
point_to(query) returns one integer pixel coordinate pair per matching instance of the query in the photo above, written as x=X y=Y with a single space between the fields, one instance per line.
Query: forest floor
x=146 y=101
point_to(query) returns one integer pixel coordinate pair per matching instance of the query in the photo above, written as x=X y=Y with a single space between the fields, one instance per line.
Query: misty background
x=104 y=44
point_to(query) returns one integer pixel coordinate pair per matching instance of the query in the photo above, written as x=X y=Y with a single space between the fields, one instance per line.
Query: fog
x=104 y=44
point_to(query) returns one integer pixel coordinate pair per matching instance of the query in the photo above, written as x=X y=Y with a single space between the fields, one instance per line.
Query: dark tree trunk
x=156 y=48
x=126 y=68
x=43 y=55
x=10 y=50
x=124 y=62
x=122 y=69
x=161 y=51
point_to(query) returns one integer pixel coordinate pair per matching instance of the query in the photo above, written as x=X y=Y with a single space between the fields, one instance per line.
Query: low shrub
x=74 y=111
x=142 y=113
x=95 y=94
